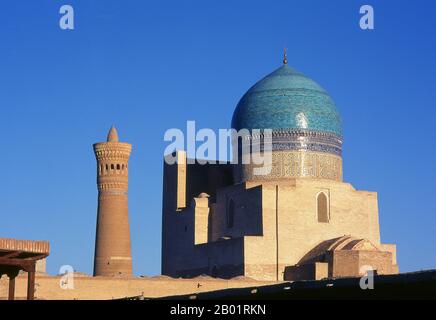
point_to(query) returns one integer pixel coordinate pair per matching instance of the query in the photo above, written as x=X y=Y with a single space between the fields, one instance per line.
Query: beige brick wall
x=291 y=228
x=355 y=263
x=351 y=212
x=275 y=223
x=101 y=288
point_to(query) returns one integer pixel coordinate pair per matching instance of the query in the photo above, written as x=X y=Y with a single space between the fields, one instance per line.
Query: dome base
x=294 y=153
x=293 y=164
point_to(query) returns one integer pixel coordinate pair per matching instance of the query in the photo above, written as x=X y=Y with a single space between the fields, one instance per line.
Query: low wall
x=102 y=288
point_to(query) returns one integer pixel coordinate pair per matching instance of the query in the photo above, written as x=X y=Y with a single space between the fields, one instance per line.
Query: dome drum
x=297 y=140
x=298 y=118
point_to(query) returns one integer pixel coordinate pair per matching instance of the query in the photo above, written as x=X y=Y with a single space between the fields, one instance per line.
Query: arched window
x=322 y=207
x=230 y=214
x=112 y=166
x=118 y=167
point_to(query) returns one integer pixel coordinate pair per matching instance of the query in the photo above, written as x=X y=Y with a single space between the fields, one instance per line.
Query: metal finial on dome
x=285 y=57
x=112 y=135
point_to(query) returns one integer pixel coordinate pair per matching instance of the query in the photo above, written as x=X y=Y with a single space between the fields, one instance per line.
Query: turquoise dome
x=287 y=99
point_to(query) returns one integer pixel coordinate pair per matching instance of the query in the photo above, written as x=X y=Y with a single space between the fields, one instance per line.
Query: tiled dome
x=287 y=99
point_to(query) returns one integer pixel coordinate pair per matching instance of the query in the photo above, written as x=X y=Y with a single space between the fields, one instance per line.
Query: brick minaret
x=112 y=244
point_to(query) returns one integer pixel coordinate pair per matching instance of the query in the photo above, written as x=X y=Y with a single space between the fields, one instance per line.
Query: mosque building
x=298 y=221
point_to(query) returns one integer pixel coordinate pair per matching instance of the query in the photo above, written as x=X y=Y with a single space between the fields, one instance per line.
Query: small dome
x=203 y=195
x=287 y=99
x=337 y=244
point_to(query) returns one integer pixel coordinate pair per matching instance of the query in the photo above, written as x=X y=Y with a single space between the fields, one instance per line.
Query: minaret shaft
x=112 y=245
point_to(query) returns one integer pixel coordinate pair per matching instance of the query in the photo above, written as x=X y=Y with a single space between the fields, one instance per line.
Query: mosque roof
x=287 y=99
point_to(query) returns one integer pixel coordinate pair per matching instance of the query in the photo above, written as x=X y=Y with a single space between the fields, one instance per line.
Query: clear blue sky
x=152 y=65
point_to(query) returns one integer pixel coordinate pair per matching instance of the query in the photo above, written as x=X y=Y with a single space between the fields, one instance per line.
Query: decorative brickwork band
x=295 y=153
x=295 y=164
x=299 y=140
